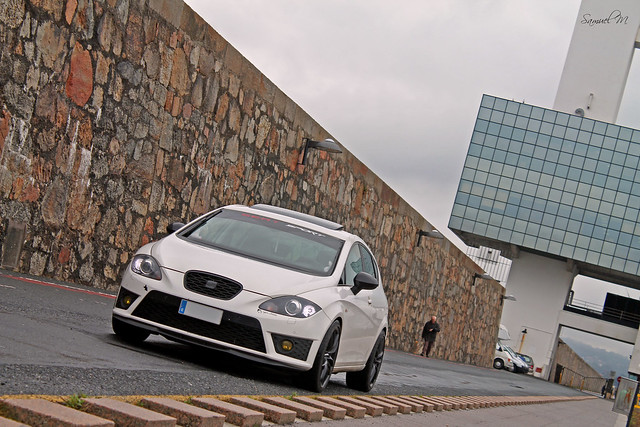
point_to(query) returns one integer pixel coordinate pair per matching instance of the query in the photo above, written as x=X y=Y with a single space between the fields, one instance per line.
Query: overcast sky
x=399 y=83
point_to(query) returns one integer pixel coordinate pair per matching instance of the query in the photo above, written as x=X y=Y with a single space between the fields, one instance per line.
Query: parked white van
x=502 y=358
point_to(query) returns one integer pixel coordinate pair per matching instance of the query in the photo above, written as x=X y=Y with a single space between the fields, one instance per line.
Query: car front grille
x=236 y=329
x=211 y=285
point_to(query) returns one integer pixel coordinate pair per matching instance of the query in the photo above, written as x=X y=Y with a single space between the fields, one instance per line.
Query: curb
x=236 y=410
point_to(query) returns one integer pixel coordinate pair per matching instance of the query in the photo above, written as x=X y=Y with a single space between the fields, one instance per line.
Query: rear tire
x=129 y=333
x=498 y=364
x=317 y=378
x=365 y=379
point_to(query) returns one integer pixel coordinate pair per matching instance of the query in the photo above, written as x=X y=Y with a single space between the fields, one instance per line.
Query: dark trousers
x=427 y=348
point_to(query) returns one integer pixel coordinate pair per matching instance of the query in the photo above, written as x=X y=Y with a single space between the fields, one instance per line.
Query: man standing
x=431 y=328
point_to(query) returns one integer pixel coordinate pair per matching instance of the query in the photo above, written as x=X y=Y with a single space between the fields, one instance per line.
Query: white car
x=265 y=283
x=502 y=359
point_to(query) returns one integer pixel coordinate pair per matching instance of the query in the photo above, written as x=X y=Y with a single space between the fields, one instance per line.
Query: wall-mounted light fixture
x=507 y=297
x=328 y=145
x=434 y=234
x=480 y=276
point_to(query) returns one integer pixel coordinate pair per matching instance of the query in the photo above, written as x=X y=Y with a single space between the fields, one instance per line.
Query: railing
x=573 y=379
x=600 y=312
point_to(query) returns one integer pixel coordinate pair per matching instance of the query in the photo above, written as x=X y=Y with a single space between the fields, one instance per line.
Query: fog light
x=286 y=345
x=127 y=300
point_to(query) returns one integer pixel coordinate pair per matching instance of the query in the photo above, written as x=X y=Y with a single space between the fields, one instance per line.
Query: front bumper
x=243 y=330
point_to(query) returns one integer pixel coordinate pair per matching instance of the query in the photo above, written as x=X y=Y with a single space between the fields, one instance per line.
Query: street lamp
x=328 y=145
x=434 y=234
x=480 y=276
x=507 y=297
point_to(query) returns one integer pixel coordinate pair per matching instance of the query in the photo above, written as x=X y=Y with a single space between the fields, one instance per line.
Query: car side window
x=353 y=265
x=368 y=264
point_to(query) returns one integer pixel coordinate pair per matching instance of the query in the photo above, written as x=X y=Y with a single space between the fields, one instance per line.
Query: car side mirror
x=174 y=226
x=363 y=281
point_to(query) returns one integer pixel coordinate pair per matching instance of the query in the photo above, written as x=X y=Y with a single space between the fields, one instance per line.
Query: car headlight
x=147 y=266
x=291 y=306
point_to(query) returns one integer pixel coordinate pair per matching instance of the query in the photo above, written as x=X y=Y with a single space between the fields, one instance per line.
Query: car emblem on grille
x=211 y=284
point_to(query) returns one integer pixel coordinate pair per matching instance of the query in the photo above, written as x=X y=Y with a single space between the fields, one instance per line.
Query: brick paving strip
x=237 y=410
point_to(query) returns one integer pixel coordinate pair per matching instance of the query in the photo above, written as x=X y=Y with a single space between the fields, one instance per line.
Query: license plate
x=200 y=311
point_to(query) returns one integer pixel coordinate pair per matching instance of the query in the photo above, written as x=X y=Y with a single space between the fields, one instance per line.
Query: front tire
x=317 y=378
x=129 y=333
x=365 y=379
x=498 y=364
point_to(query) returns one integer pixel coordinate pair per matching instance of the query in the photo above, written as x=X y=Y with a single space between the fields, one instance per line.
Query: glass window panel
x=576 y=162
x=484 y=113
x=576 y=214
x=565 y=159
x=571 y=187
x=612 y=183
x=524 y=162
x=505 y=183
x=580 y=150
x=479 y=228
x=618 y=158
x=487 y=153
x=599 y=233
x=493 y=180
x=609 y=143
x=589 y=217
x=486 y=204
x=541 y=244
x=618 y=263
x=562 y=119
x=546 y=129
x=474 y=149
x=483 y=217
x=537 y=113
x=608 y=248
x=558 y=131
x=493 y=128
x=529 y=241
x=596 y=192
x=628 y=173
x=580 y=201
x=548 y=219
x=509 y=120
x=489 y=193
x=549 y=116
x=481 y=125
x=555 y=143
x=467 y=225
x=605 y=208
x=508 y=223
x=523 y=213
x=527 y=201
x=625 y=187
x=564 y=211
x=567 y=251
x=625 y=134
x=517 y=238
x=511 y=210
x=552 y=207
x=605 y=260
x=612 y=130
x=624 y=239
x=458 y=210
x=487 y=101
x=499 y=156
x=500 y=104
x=587 y=124
x=471 y=162
x=606 y=156
x=518 y=186
x=557 y=235
x=540 y=153
x=542 y=192
x=521 y=122
x=490 y=140
x=484 y=165
x=492 y=232
x=575 y=122
x=518 y=135
x=622 y=146
x=584 y=137
x=474 y=201
x=455 y=222
x=504 y=235
x=571 y=134
x=512 y=159
x=571 y=238
x=527 y=149
x=509 y=171
x=554 y=248
x=533 y=126
x=506 y=131
x=477 y=188
x=580 y=254
x=592 y=257
x=536 y=164
x=512 y=107
x=535 y=217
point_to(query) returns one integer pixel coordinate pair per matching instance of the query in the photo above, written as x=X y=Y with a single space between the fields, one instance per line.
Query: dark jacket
x=430 y=330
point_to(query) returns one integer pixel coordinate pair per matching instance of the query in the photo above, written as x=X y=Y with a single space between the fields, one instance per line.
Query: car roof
x=299 y=215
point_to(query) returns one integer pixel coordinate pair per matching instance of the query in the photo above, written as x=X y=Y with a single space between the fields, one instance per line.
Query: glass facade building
x=553 y=183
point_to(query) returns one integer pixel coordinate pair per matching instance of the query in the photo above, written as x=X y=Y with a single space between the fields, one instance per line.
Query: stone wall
x=576 y=373
x=118 y=117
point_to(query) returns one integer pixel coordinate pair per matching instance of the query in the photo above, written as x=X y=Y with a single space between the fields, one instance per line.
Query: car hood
x=180 y=255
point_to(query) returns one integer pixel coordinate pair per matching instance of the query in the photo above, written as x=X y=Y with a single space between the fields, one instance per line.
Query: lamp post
x=434 y=234
x=328 y=145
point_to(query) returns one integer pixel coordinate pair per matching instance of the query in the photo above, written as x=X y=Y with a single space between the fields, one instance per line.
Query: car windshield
x=268 y=240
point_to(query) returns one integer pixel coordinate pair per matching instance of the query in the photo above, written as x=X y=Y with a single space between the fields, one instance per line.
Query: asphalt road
x=56 y=338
